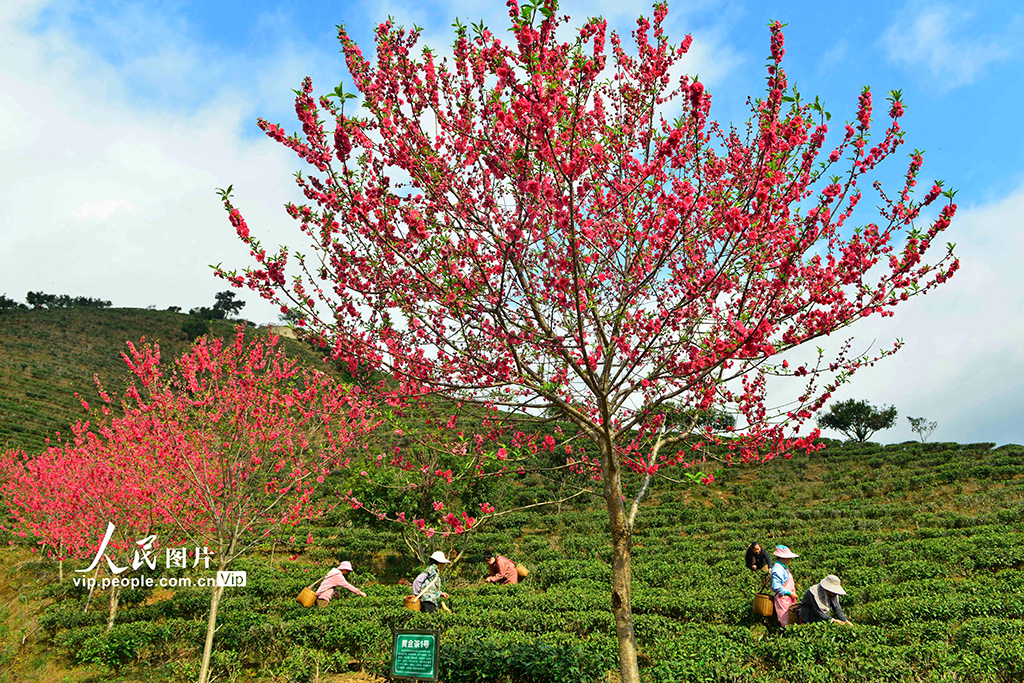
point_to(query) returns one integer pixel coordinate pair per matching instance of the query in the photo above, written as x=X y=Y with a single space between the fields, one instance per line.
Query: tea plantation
x=48 y=355
x=927 y=538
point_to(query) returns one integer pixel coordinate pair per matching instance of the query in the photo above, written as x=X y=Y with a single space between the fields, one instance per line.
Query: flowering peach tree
x=243 y=437
x=220 y=449
x=557 y=227
x=67 y=497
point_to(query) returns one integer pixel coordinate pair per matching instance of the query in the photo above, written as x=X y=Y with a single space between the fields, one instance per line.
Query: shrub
x=523 y=662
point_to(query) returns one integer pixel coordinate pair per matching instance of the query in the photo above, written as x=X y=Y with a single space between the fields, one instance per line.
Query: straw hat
x=784 y=552
x=345 y=565
x=832 y=585
x=439 y=557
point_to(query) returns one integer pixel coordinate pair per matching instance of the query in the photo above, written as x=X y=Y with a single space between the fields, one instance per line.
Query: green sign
x=414 y=655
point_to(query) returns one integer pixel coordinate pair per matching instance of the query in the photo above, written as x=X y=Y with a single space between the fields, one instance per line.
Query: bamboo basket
x=412 y=602
x=306 y=597
x=764 y=605
x=522 y=571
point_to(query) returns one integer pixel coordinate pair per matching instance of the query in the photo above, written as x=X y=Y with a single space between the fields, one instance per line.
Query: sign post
x=414 y=655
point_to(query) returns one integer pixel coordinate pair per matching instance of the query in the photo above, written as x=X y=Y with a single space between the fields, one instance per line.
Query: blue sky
x=119 y=119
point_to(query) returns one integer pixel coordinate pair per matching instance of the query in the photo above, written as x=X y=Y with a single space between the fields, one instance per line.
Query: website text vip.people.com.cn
x=227 y=579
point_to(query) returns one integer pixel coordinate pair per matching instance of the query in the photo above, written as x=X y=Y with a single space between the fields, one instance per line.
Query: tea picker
x=783 y=585
x=821 y=602
x=427 y=586
x=503 y=570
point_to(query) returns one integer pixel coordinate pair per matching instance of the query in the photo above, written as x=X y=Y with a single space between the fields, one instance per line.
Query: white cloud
x=942 y=39
x=101 y=210
x=963 y=362
x=104 y=195
x=834 y=56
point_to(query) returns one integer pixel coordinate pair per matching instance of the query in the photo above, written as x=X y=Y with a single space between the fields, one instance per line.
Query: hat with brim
x=439 y=557
x=784 y=552
x=832 y=585
x=345 y=565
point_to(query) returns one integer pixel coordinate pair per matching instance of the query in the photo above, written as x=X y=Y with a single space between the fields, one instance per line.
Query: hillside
x=927 y=538
x=48 y=355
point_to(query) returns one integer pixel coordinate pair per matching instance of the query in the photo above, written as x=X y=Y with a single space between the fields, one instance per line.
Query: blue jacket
x=779 y=576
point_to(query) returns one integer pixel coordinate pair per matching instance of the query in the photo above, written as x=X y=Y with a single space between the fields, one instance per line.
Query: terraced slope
x=928 y=539
x=47 y=356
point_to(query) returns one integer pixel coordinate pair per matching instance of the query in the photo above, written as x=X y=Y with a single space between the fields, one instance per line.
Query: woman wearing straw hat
x=427 y=585
x=336 y=579
x=821 y=602
x=783 y=584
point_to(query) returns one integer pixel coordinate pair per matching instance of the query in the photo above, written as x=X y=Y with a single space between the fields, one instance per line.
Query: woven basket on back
x=764 y=605
x=306 y=597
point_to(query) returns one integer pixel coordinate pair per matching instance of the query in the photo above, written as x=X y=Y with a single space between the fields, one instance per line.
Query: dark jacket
x=811 y=612
x=754 y=561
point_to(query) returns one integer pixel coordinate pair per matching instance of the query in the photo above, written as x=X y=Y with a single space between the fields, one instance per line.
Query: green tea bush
x=524 y=662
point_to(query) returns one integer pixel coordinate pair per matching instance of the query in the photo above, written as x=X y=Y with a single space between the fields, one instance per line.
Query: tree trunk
x=115 y=596
x=211 y=626
x=622 y=575
x=92 y=589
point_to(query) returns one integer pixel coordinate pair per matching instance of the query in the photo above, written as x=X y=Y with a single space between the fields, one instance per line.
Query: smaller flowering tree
x=223 y=447
x=43 y=496
x=68 y=495
x=242 y=437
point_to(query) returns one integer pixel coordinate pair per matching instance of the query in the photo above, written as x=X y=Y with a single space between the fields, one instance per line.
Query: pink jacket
x=503 y=571
x=335 y=579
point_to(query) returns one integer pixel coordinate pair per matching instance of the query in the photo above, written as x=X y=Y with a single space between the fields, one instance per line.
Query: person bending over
x=821 y=602
x=501 y=569
x=336 y=578
x=757 y=559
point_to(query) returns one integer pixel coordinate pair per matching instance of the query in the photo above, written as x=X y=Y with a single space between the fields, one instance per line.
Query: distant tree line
x=39 y=300
x=8 y=304
x=858 y=420
x=199 y=318
x=225 y=304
